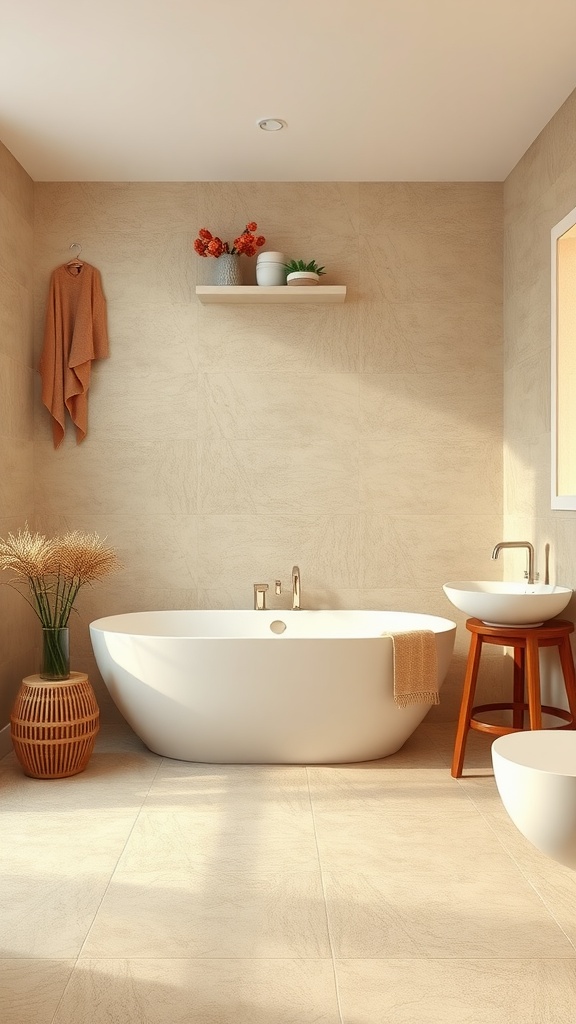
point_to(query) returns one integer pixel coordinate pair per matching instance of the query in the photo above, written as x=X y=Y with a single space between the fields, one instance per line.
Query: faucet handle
x=278 y=586
x=260 y=596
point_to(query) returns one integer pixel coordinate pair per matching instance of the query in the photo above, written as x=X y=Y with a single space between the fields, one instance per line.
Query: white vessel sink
x=508 y=604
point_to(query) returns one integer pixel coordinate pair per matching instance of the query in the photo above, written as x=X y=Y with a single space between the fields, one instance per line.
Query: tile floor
x=151 y=891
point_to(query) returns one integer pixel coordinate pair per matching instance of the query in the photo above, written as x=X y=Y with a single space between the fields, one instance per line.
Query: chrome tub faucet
x=529 y=574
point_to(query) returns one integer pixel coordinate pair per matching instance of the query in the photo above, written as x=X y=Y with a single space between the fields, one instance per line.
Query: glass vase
x=55 y=653
x=227 y=270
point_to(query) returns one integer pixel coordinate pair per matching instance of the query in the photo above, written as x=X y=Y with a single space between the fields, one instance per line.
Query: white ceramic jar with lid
x=270 y=269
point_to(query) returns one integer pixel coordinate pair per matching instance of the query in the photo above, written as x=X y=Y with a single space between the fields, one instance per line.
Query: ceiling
x=371 y=90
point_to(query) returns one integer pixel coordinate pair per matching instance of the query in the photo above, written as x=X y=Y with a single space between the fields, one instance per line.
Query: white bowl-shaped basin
x=508 y=604
x=535 y=774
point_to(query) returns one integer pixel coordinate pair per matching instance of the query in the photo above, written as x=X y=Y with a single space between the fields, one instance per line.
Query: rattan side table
x=54 y=725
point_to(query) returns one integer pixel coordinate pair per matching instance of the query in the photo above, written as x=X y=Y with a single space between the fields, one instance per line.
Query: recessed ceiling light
x=271 y=124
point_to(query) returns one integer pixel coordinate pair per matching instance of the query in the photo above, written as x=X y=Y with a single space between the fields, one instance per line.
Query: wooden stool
x=526 y=641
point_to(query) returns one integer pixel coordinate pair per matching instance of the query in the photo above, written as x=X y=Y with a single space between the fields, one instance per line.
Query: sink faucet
x=260 y=596
x=295 y=588
x=519 y=544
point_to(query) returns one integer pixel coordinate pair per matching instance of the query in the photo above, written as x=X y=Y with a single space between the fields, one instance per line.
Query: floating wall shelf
x=283 y=293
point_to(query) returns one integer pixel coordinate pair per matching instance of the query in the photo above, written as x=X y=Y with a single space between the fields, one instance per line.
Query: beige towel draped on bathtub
x=415 y=667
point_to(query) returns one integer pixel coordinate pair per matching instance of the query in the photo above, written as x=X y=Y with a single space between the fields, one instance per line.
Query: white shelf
x=283 y=293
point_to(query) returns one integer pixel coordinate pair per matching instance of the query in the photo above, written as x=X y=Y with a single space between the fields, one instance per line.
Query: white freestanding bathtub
x=268 y=687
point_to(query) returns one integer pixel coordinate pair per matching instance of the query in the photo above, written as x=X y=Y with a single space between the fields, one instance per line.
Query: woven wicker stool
x=54 y=725
x=526 y=641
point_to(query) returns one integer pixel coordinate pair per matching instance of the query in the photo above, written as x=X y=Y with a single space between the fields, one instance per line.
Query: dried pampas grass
x=54 y=569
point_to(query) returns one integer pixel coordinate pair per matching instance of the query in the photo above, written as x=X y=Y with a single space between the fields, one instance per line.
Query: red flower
x=208 y=245
x=215 y=247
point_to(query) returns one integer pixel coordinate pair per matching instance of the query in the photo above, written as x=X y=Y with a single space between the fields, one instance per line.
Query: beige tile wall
x=362 y=441
x=17 y=625
x=537 y=194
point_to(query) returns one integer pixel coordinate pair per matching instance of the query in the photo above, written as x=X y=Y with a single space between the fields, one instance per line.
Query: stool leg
x=518 y=713
x=466 y=705
x=533 y=682
x=567 y=662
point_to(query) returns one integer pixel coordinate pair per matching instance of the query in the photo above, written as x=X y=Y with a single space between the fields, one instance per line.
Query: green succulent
x=297 y=266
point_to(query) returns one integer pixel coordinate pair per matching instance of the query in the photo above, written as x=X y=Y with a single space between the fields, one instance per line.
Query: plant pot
x=302 y=277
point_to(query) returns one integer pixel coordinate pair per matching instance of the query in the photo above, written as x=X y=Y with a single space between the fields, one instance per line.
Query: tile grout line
x=76 y=959
x=326 y=914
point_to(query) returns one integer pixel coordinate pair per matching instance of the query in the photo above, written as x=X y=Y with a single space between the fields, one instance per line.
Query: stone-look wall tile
x=16 y=242
x=560 y=198
x=138 y=268
x=537 y=194
x=457 y=208
x=16 y=481
x=527 y=385
x=157 y=339
x=16 y=399
x=551 y=156
x=527 y=325
x=241 y=550
x=264 y=338
x=327 y=598
x=527 y=475
x=298 y=210
x=279 y=406
x=16 y=412
x=16 y=338
x=159 y=551
x=144 y=406
x=429 y=336
x=19 y=631
x=17 y=186
x=524 y=242
x=283 y=428
x=415 y=266
x=114 y=476
x=77 y=208
x=426 y=550
x=317 y=477
x=400 y=477
x=457 y=404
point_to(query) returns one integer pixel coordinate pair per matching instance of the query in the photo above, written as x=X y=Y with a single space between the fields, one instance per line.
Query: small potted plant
x=302 y=273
